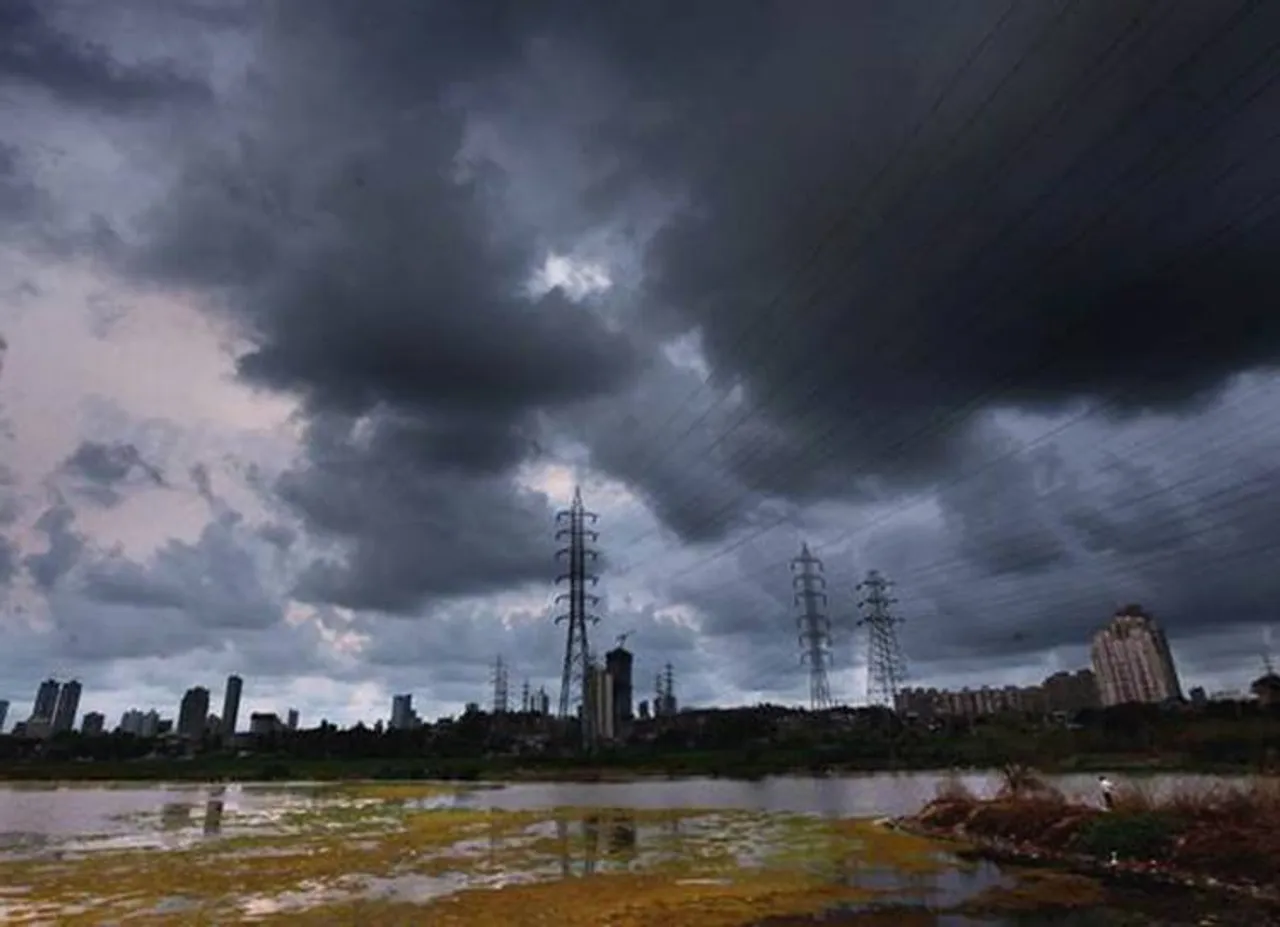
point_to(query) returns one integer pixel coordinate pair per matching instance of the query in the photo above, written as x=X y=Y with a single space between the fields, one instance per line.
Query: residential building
x=193 y=713
x=264 y=723
x=1071 y=692
x=1132 y=660
x=1266 y=689
x=139 y=723
x=64 y=713
x=93 y=724
x=292 y=723
x=46 y=701
x=597 y=709
x=231 y=705
x=4 y=712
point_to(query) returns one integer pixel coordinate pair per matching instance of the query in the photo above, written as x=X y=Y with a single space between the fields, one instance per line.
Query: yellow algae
x=367 y=854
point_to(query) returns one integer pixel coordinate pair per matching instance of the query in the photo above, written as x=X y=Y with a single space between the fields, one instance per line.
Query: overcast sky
x=314 y=312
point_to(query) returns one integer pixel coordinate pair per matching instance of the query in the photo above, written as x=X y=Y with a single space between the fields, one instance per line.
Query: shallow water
x=711 y=851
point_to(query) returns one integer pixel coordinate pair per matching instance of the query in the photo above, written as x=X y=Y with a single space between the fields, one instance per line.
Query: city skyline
x=295 y=391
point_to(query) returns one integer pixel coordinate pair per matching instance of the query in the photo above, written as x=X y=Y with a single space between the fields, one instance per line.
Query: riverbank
x=617 y=768
x=1223 y=839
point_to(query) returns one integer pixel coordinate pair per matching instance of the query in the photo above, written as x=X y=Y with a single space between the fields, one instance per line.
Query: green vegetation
x=741 y=743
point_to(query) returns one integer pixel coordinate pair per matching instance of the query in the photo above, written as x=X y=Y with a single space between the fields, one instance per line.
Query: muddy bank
x=1221 y=844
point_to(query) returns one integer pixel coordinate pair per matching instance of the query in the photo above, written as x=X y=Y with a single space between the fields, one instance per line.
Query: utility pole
x=577 y=653
x=886 y=666
x=809 y=588
x=501 y=690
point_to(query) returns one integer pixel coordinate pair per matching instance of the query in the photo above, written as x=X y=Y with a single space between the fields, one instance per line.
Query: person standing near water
x=1108 y=792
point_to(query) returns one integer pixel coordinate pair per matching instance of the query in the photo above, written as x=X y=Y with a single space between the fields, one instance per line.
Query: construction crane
x=622 y=638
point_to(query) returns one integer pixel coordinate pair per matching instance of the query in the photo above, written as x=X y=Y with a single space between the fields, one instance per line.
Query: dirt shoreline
x=1139 y=873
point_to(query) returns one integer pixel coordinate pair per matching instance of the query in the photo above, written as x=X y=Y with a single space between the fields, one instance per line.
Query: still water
x=700 y=851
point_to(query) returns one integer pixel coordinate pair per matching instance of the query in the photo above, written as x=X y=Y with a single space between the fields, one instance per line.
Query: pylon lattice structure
x=886 y=666
x=576 y=555
x=810 y=589
x=501 y=689
x=525 y=698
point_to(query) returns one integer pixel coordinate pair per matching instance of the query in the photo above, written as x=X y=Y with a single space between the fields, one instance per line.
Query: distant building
x=597 y=708
x=1198 y=696
x=193 y=713
x=1266 y=689
x=542 y=701
x=263 y=723
x=231 y=705
x=1071 y=692
x=618 y=664
x=64 y=713
x=46 y=701
x=292 y=723
x=139 y=723
x=1132 y=660
x=4 y=712
x=93 y=724
x=403 y=717
x=643 y=710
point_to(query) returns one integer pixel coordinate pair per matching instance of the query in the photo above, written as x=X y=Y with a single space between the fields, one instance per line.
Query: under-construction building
x=618 y=663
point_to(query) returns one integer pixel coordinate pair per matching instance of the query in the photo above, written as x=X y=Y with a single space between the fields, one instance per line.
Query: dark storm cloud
x=20 y=199
x=376 y=283
x=408 y=528
x=64 y=548
x=9 y=560
x=1099 y=167
x=36 y=51
x=101 y=470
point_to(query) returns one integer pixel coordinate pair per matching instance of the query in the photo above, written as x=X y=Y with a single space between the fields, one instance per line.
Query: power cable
x=1067 y=329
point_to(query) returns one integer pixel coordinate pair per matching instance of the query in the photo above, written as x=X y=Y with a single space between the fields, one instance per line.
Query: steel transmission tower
x=525 y=698
x=810 y=587
x=501 y=690
x=886 y=666
x=577 y=652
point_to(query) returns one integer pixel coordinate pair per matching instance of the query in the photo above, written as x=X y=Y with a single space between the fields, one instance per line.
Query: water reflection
x=610 y=837
x=176 y=815
x=213 y=817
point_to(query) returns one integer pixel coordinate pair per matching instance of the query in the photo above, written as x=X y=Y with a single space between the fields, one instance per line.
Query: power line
x=1142 y=179
x=1065 y=330
x=996 y=176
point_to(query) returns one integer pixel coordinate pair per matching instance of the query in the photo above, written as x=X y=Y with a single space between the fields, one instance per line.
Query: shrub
x=1129 y=835
x=952 y=788
x=1018 y=780
x=1017 y=819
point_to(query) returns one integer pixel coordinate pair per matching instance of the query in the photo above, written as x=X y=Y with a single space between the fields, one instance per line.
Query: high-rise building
x=4 y=712
x=597 y=705
x=292 y=723
x=93 y=724
x=193 y=713
x=64 y=713
x=1132 y=660
x=618 y=664
x=401 y=711
x=46 y=701
x=231 y=705
x=1071 y=692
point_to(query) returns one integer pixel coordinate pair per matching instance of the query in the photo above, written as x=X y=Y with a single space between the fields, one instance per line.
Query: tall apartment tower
x=401 y=712
x=4 y=712
x=193 y=713
x=64 y=714
x=231 y=705
x=1132 y=660
x=46 y=701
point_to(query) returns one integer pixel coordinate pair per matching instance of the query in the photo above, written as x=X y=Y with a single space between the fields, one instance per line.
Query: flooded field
x=655 y=853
